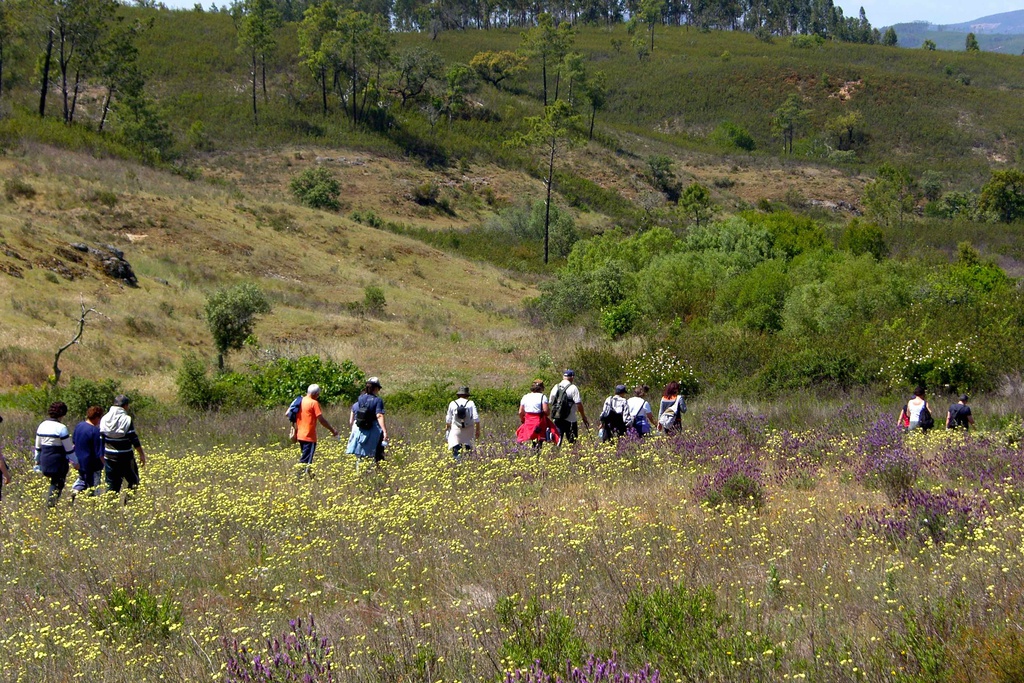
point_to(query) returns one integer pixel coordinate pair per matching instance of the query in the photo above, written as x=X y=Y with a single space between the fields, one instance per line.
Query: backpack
x=293 y=409
x=671 y=415
x=613 y=422
x=461 y=412
x=561 y=407
x=366 y=415
x=926 y=421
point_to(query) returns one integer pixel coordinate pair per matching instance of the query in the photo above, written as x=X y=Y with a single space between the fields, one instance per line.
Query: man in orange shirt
x=305 y=425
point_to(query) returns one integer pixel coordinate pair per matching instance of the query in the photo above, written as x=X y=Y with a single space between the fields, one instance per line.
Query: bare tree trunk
x=263 y=76
x=74 y=340
x=547 y=200
x=106 y=106
x=45 y=85
x=323 y=87
x=255 y=116
x=74 y=99
x=593 y=115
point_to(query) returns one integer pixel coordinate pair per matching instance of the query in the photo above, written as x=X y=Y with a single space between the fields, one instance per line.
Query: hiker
x=670 y=412
x=462 y=423
x=638 y=414
x=959 y=414
x=916 y=413
x=613 y=414
x=369 y=435
x=306 y=420
x=566 y=407
x=120 y=443
x=5 y=474
x=535 y=422
x=53 y=448
x=88 y=452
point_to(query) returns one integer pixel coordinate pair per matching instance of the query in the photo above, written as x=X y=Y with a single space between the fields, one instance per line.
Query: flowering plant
x=659 y=367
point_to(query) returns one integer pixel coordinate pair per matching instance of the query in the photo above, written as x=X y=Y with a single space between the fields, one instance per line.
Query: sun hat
x=463 y=391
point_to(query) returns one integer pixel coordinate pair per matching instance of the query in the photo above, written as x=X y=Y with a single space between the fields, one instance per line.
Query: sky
x=889 y=12
x=880 y=12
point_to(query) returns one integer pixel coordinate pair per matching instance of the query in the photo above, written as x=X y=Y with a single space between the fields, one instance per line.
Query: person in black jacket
x=53 y=446
x=959 y=414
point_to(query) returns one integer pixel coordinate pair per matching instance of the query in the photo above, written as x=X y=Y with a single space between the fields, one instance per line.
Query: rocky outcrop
x=111 y=261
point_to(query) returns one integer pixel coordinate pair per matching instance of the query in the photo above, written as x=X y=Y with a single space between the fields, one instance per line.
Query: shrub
x=658 y=367
x=231 y=315
x=133 y=614
x=619 y=319
x=194 y=388
x=426 y=194
x=949 y=363
x=317 y=188
x=864 y=238
x=277 y=383
x=17 y=187
x=374 y=301
x=1003 y=195
x=684 y=634
x=806 y=42
x=80 y=393
x=729 y=135
x=738 y=481
x=600 y=367
x=546 y=638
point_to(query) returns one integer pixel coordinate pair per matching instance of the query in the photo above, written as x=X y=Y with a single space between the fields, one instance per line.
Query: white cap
x=313 y=390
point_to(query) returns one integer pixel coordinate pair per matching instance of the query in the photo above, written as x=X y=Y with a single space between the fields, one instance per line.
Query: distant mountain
x=1006 y=23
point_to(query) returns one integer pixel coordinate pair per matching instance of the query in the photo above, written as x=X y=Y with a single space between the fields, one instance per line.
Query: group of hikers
x=104 y=444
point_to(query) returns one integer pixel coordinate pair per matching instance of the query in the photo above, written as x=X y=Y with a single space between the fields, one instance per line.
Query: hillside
x=430 y=191
x=1006 y=23
x=913 y=35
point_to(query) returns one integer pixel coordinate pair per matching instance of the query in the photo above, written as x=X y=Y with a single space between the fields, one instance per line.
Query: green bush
x=811 y=367
x=277 y=383
x=435 y=398
x=684 y=634
x=864 y=238
x=599 y=367
x=317 y=188
x=15 y=187
x=134 y=614
x=79 y=394
x=194 y=388
x=532 y=634
x=731 y=136
x=658 y=367
x=619 y=319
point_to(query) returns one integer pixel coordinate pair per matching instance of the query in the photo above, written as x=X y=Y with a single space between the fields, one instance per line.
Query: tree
x=891 y=195
x=363 y=44
x=79 y=30
x=550 y=43
x=650 y=12
x=929 y=45
x=695 y=204
x=7 y=25
x=231 y=314
x=890 y=39
x=1003 y=195
x=595 y=90
x=255 y=21
x=121 y=73
x=787 y=119
x=553 y=133
x=317 y=44
x=844 y=129
x=83 y=319
x=495 y=67
x=414 y=68
x=971 y=43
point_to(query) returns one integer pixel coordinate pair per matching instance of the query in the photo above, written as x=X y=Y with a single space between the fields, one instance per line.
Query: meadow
x=735 y=551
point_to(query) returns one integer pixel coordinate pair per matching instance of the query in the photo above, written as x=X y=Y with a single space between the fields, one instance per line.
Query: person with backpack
x=959 y=415
x=54 y=450
x=369 y=434
x=566 y=407
x=916 y=413
x=534 y=417
x=462 y=423
x=638 y=412
x=670 y=412
x=120 y=444
x=309 y=415
x=613 y=414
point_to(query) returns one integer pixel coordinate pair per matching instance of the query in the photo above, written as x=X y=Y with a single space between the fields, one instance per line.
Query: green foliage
x=317 y=188
x=971 y=43
x=812 y=367
x=658 y=367
x=134 y=614
x=791 y=234
x=949 y=363
x=728 y=135
x=435 y=397
x=662 y=173
x=696 y=206
x=684 y=634
x=194 y=388
x=787 y=119
x=278 y=382
x=891 y=196
x=806 y=42
x=754 y=299
x=79 y=394
x=15 y=187
x=864 y=238
x=619 y=319
x=1003 y=195
x=890 y=39
x=532 y=634
x=600 y=367
x=231 y=315
x=957 y=206
x=140 y=126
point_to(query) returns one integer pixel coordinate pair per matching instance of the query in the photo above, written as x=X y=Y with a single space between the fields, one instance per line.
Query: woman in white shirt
x=535 y=425
x=910 y=415
x=640 y=410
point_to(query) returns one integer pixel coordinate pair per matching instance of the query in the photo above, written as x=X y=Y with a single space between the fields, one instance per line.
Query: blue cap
x=569 y=373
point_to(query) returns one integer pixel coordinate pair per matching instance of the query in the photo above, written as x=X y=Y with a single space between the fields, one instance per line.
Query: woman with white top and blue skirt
x=53 y=446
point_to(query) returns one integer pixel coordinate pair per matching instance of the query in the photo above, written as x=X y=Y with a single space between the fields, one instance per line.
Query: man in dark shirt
x=88 y=452
x=120 y=442
x=959 y=414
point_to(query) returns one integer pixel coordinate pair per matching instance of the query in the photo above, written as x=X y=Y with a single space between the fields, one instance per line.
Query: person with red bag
x=534 y=416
